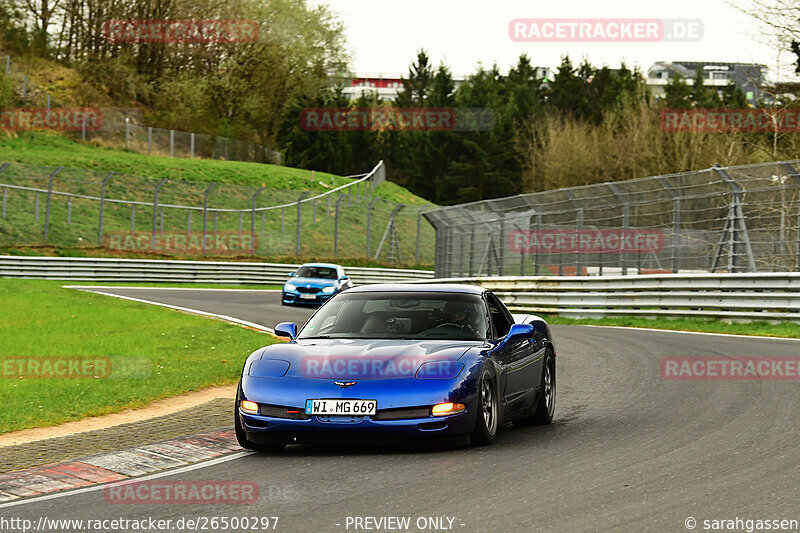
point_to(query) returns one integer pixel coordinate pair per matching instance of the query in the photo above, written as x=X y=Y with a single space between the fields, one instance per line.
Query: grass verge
x=153 y=353
x=762 y=328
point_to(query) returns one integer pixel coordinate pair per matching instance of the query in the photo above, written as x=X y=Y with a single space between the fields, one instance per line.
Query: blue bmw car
x=399 y=360
x=315 y=284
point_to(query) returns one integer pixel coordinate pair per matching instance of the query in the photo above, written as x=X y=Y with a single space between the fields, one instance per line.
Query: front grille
x=308 y=290
x=277 y=411
x=402 y=413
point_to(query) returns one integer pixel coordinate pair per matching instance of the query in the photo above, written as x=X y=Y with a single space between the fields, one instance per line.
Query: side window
x=500 y=319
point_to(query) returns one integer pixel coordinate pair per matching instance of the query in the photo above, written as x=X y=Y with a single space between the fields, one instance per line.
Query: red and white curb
x=116 y=466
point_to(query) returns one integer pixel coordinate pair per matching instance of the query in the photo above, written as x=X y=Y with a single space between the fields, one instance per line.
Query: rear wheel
x=486 y=419
x=547 y=399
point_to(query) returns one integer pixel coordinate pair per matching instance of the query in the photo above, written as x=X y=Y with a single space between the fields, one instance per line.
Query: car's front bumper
x=293 y=297
x=390 y=394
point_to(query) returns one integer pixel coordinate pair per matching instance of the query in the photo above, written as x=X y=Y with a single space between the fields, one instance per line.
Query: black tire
x=487 y=417
x=241 y=434
x=546 y=405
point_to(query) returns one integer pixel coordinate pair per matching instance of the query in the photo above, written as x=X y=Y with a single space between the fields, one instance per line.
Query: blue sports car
x=398 y=360
x=314 y=283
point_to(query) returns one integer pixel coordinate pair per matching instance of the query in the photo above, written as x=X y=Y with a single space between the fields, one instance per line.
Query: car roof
x=419 y=287
x=329 y=265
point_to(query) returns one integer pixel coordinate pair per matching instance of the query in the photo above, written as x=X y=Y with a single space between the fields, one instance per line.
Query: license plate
x=341 y=407
x=308 y=296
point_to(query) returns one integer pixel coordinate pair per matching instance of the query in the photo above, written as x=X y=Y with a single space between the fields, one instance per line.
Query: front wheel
x=244 y=442
x=486 y=419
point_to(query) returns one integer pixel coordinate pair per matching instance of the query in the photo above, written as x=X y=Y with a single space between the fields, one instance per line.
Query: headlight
x=444 y=409
x=289 y=287
x=249 y=407
x=268 y=368
x=439 y=370
x=329 y=290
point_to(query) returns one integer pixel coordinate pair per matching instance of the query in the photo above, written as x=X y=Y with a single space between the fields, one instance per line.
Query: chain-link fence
x=733 y=219
x=132 y=214
x=123 y=127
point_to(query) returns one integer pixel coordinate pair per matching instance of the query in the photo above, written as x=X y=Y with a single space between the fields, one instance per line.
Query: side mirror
x=290 y=274
x=517 y=332
x=344 y=278
x=286 y=329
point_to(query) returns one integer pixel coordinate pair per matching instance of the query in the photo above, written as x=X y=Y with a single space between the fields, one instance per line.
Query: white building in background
x=387 y=86
x=750 y=77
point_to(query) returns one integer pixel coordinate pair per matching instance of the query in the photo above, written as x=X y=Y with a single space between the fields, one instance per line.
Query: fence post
x=299 y=221
x=5 y=189
x=189 y=223
x=676 y=223
x=127 y=133
x=161 y=223
x=205 y=215
x=133 y=218
x=263 y=216
x=253 y=220
x=419 y=231
x=36 y=208
x=796 y=177
x=369 y=222
x=283 y=220
x=314 y=211
x=149 y=139
x=172 y=143
x=191 y=145
x=25 y=87
x=241 y=221
x=155 y=213
x=102 y=207
x=49 y=201
x=336 y=227
x=83 y=126
x=48 y=108
x=69 y=210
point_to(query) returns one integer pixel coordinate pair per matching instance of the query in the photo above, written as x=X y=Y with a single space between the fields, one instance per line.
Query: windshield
x=396 y=315
x=316 y=272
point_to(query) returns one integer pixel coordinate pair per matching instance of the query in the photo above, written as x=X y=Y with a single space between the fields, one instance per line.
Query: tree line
x=587 y=124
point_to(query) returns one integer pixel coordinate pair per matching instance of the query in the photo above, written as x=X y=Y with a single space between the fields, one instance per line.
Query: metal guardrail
x=148 y=270
x=753 y=296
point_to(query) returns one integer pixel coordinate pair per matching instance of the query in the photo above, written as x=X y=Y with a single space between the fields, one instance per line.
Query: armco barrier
x=755 y=296
x=146 y=270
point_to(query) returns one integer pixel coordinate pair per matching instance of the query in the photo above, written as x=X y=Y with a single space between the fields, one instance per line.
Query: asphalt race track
x=628 y=451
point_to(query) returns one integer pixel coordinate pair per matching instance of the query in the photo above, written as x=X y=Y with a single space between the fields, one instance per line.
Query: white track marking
x=187 y=468
x=93 y=287
x=226 y=318
x=687 y=332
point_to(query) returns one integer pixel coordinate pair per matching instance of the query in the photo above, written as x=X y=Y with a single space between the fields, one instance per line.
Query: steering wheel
x=453 y=324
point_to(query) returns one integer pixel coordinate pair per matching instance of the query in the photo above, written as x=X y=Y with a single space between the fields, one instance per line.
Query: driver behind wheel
x=458 y=314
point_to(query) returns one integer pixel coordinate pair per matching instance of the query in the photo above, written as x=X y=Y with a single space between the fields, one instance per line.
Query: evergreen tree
x=678 y=94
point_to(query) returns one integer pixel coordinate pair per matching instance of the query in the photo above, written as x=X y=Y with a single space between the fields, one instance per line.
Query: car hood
x=366 y=359
x=311 y=282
